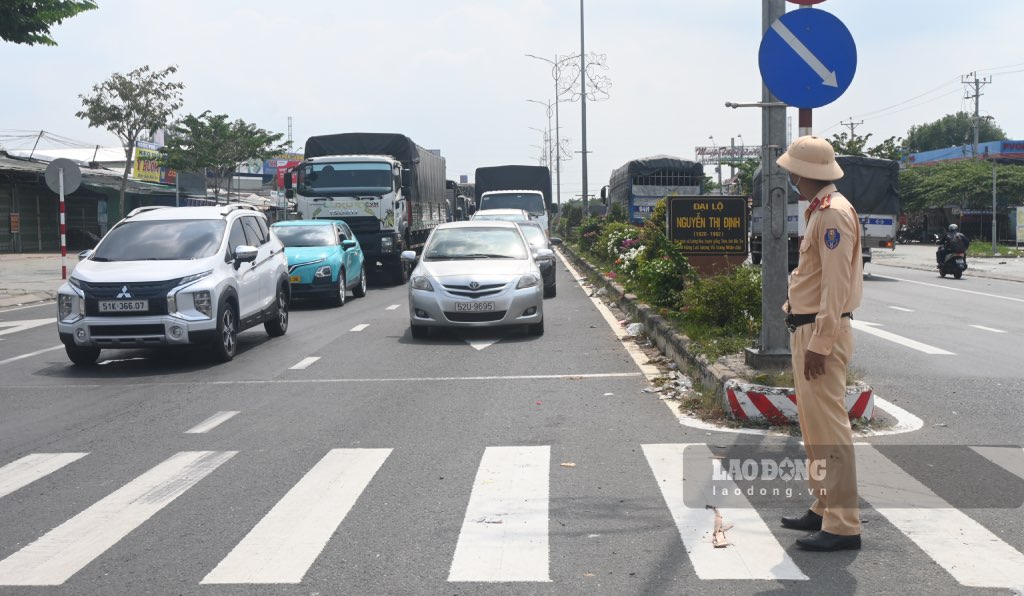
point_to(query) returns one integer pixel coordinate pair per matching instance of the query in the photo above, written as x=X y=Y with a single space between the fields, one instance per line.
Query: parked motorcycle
x=955 y=264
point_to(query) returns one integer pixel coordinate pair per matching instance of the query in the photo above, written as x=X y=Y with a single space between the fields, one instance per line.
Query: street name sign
x=807 y=58
x=708 y=224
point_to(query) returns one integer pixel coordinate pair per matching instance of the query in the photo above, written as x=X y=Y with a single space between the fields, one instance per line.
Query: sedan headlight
x=324 y=271
x=527 y=281
x=420 y=282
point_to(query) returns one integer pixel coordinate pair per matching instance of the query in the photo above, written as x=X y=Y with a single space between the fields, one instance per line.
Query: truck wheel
x=338 y=299
x=399 y=273
x=226 y=344
x=550 y=292
x=755 y=258
x=82 y=356
x=277 y=326
x=360 y=290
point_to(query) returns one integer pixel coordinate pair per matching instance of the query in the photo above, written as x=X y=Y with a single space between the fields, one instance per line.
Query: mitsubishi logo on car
x=124 y=293
x=474 y=285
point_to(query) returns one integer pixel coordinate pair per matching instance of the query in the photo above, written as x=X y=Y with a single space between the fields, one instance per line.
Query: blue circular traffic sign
x=807 y=58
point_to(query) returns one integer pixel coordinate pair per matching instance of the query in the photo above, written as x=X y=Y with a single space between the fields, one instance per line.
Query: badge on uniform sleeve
x=831 y=238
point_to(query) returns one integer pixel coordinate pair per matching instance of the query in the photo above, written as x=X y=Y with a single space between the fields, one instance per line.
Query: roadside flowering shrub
x=730 y=302
x=611 y=243
x=590 y=231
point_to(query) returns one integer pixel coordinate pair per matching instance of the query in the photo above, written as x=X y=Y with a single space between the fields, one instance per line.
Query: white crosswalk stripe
x=283 y=545
x=755 y=553
x=504 y=535
x=31 y=468
x=969 y=552
x=65 y=550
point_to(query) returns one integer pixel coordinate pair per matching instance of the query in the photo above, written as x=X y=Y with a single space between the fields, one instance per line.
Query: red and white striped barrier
x=777 y=405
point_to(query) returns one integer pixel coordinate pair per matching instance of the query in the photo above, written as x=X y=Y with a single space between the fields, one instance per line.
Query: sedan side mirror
x=347 y=244
x=555 y=240
x=545 y=253
x=409 y=255
x=245 y=254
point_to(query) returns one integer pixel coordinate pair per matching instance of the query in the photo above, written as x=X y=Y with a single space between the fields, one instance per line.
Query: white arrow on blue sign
x=807 y=58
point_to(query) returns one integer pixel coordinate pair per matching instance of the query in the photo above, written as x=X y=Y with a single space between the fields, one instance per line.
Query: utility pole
x=976 y=96
x=852 y=126
x=583 y=110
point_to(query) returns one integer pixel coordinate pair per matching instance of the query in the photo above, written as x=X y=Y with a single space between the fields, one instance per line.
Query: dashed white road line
x=16 y=326
x=31 y=354
x=360 y=327
x=393 y=307
x=211 y=423
x=901 y=308
x=304 y=363
x=870 y=328
x=983 y=328
x=922 y=283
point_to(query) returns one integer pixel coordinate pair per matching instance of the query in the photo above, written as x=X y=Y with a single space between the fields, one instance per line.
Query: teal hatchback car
x=324 y=259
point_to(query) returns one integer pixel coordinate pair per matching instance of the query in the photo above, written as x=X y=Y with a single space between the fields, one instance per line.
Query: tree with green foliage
x=212 y=143
x=131 y=104
x=891 y=148
x=28 y=21
x=950 y=131
x=745 y=174
x=857 y=145
x=967 y=183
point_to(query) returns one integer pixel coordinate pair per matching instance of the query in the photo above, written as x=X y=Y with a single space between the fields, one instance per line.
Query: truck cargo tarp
x=398 y=146
x=871 y=184
x=649 y=165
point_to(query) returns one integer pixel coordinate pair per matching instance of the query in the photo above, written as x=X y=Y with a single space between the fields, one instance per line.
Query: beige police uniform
x=828 y=282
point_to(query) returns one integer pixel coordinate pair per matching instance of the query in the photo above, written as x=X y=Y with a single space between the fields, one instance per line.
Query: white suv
x=166 y=276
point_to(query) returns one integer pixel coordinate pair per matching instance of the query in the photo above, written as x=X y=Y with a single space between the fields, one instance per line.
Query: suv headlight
x=203 y=302
x=527 y=281
x=192 y=278
x=420 y=282
x=324 y=271
x=65 y=306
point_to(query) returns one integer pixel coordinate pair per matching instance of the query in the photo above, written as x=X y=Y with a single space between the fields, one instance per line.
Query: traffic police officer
x=824 y=290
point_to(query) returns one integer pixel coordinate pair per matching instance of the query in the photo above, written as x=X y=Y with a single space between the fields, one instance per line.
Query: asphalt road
x=393 y=466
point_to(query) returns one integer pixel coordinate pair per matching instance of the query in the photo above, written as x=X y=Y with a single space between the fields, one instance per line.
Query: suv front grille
x=154 y=291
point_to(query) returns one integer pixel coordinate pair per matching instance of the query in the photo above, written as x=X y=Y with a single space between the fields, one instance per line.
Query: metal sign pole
x=63 y=232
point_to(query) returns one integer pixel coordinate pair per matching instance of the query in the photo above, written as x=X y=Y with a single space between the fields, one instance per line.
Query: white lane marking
x=31 y=354
x=754 y=552
x=504 y=536
x=869 y=328
x=304 y=363
x=65 y=550
x=983 y=328
x=393 y=307
x=35 y=305
x=212 y=422
x=1010 y=459
x=360 y=327
x=949 y=288
x=901 y=308
x=480 y=344
x=905 y=421
x=32 y=467
x=968 y=551
x=286 y=542
x=649 y=370
x=16 y=326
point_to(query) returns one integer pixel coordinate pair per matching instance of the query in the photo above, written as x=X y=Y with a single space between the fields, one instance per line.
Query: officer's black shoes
x=808 y=522
x=823 y=541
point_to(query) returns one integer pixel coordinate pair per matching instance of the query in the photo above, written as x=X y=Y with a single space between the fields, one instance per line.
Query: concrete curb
x=674 y=345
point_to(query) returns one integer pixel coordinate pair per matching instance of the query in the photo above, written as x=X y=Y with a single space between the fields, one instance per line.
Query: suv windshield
x=174 y=240
x=306 y=235
x=530 y=201
x=474 y=243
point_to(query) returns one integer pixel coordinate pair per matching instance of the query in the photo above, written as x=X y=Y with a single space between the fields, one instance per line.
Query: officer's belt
x=793 y=321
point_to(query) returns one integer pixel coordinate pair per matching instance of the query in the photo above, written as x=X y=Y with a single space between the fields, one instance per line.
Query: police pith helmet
x=812 y=158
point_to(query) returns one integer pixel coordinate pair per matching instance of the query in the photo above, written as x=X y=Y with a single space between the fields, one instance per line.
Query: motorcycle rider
x=953 y=242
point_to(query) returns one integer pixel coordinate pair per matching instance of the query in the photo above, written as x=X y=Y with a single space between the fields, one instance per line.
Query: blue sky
x=453 y=76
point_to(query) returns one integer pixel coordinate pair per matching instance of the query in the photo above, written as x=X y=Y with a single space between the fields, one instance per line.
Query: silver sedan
x=476 y=274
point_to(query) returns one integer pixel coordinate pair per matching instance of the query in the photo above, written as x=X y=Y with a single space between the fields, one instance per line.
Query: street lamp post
x=583 y=109
x=547 y=139
x=556 y=74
